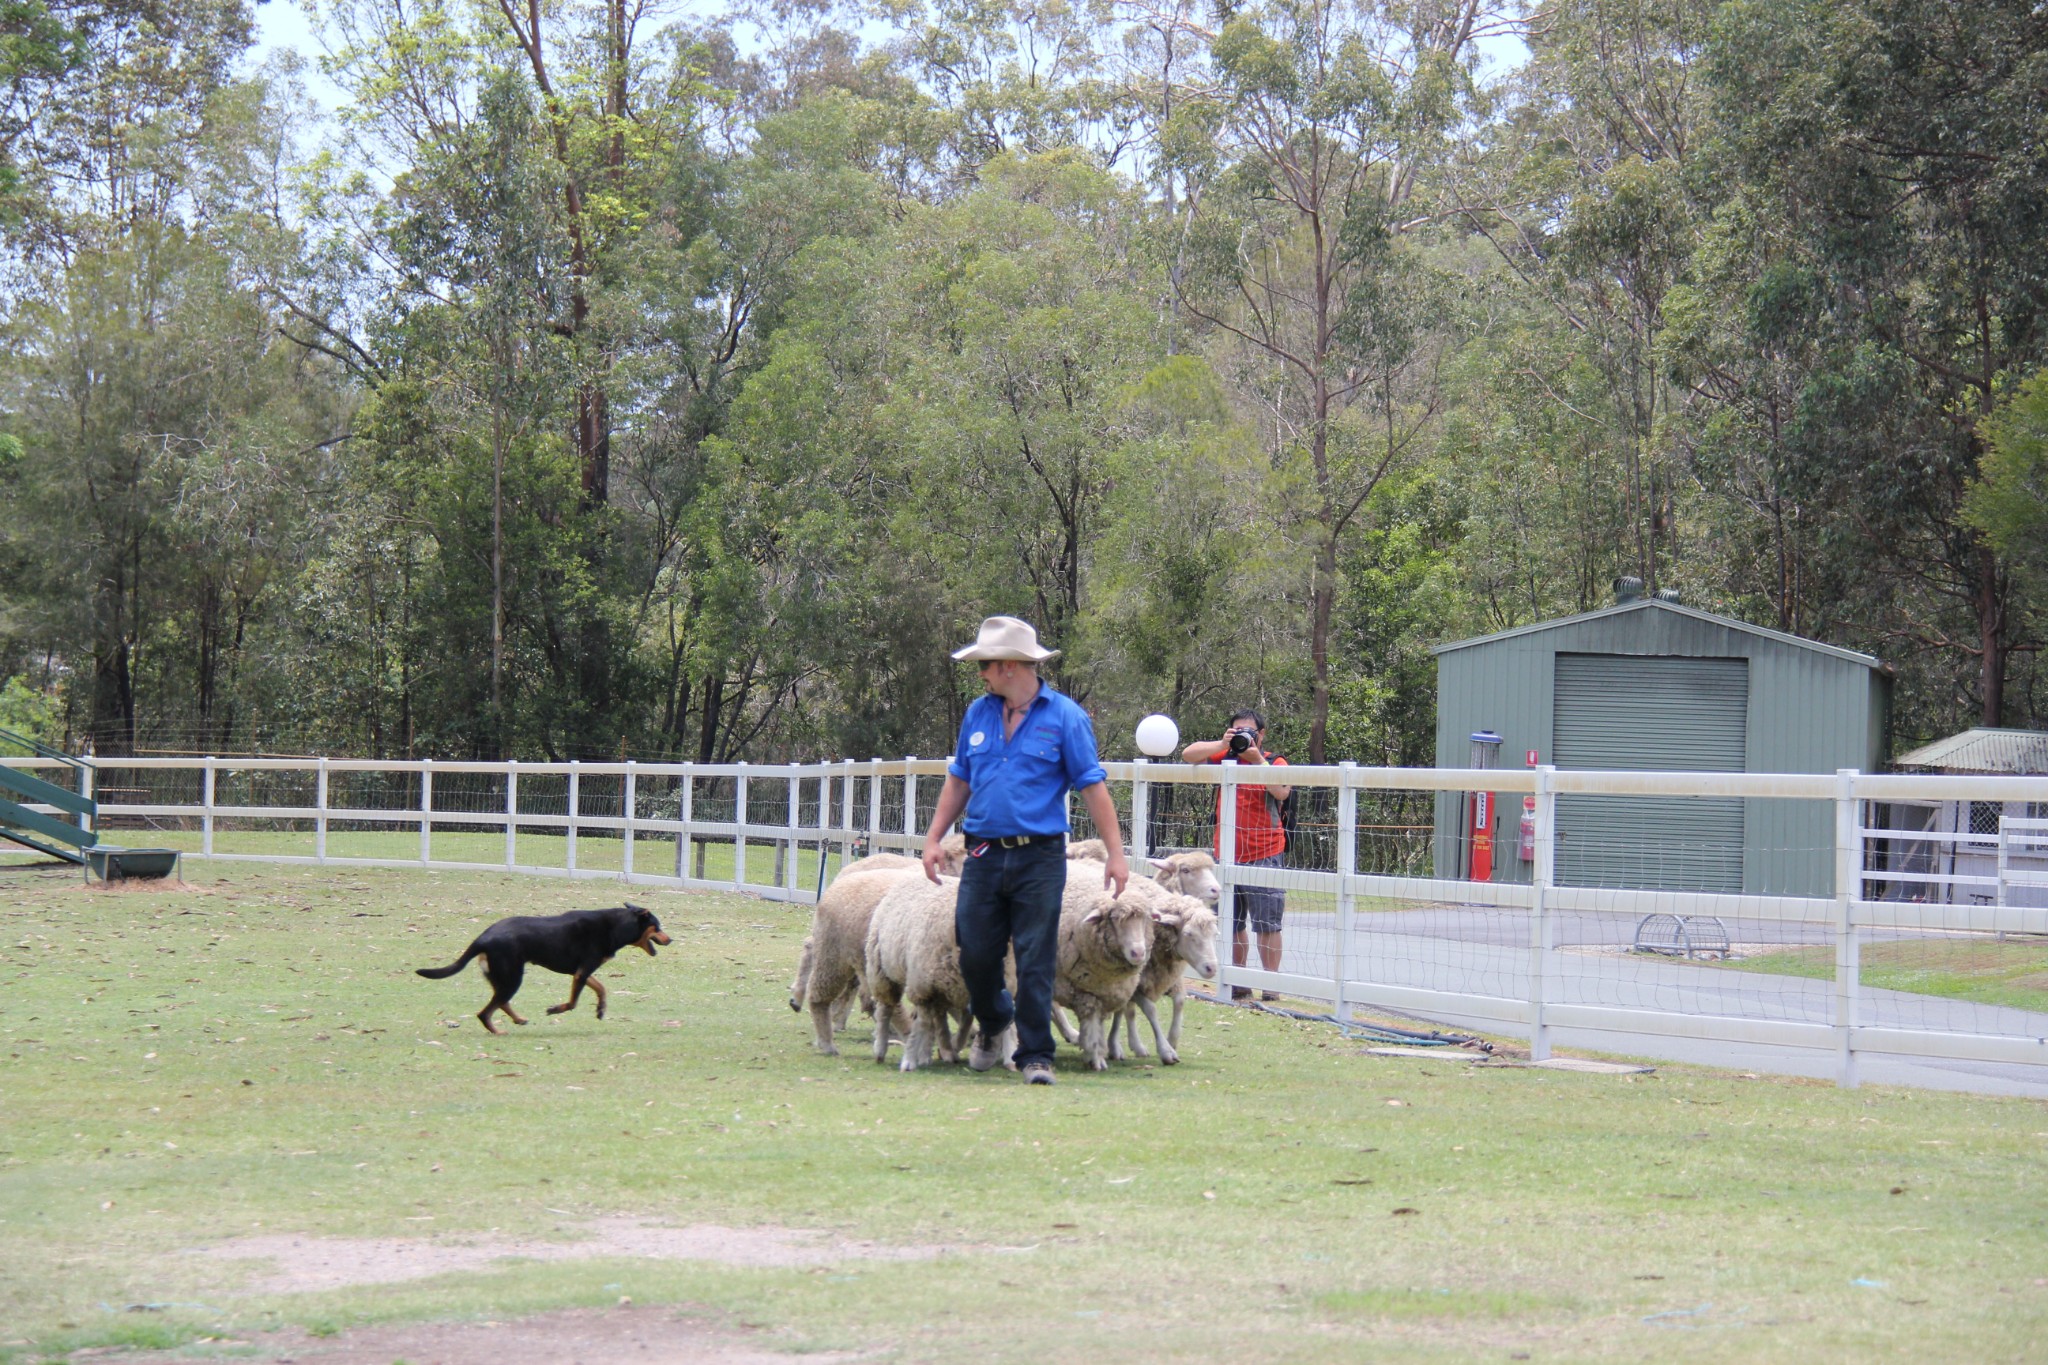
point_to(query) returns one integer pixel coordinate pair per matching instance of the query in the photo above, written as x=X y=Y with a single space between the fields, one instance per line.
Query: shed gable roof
x=2017 y=752
x=1678 y=608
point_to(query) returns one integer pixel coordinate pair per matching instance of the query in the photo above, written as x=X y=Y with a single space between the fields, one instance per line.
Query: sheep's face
x=1189 y=874
x=1132 y=926
x=1198 y=942
x=1126 y=929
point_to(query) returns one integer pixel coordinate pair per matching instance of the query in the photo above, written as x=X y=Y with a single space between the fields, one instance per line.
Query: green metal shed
x=1652 y=685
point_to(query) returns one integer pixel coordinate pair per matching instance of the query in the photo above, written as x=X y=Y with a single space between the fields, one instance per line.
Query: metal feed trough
x=121 y=864
x=1682 y=935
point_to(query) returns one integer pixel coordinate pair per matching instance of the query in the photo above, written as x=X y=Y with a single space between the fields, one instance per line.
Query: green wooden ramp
x=36 y=829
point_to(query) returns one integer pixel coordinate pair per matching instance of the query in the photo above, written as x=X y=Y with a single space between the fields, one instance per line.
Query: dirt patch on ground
x=302 y=1265
x=602 y=1336
x=137 y=886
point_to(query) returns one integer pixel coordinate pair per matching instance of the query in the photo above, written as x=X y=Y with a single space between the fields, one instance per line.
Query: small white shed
x=1972 y=849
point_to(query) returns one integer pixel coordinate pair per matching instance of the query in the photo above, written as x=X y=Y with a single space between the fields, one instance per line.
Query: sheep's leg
x=942 y=1033
x=913 y=1044
x=1116 y=1040
x=1180 y=1000
x=917 y=1048
x=821 y=1028
x=1168 y=1054
x=966 y=1031
x=885 y=1016
x=1059 y=1021
x=1131 y=1024
x=800 y=987
x=1093 y=1044
x=842 y=1009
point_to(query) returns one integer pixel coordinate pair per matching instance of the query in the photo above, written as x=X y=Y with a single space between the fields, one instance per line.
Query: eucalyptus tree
x=1898 y=142
x=166 y=441
x=1302 y=153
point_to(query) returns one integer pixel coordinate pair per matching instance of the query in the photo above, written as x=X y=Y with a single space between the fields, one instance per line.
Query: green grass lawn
x=255 y=1056
x=1983 y=970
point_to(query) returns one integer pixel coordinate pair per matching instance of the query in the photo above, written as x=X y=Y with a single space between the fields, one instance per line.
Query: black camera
x=1240 y=740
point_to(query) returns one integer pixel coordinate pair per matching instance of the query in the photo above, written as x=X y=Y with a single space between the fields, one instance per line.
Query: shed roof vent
x=1667 y=595
x=1627 y=588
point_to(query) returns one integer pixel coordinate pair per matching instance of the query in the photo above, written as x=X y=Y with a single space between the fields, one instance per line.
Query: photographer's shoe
x=1038 y=1073
x=1240 y=992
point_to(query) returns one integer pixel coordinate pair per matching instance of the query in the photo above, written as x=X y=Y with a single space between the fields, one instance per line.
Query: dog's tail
x=436 y=973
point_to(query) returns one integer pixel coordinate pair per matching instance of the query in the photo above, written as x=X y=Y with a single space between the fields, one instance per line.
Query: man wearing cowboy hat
x=1021 y=749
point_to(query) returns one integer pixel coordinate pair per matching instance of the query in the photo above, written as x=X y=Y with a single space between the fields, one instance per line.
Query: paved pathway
x=1477 y=952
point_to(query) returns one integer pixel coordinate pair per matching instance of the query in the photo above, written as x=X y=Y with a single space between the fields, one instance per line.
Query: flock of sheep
x=883 y=933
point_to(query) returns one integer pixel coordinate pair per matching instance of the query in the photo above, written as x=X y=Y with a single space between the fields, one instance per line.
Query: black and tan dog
x=575 y=944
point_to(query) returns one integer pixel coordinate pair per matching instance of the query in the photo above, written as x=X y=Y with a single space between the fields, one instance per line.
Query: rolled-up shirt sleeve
x=1083 y=767
x=957 y=766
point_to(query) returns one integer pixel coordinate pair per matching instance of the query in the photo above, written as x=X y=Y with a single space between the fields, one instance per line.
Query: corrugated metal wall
x=1809 y=708
x=1650 y=713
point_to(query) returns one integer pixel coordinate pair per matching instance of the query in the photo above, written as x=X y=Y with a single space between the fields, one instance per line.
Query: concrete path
x=1486 y=952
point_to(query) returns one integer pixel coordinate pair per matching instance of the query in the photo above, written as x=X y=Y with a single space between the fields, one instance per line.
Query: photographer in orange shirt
x=1260 y=838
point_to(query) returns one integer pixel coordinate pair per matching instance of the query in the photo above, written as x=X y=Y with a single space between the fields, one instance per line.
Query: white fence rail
x=1924 y=870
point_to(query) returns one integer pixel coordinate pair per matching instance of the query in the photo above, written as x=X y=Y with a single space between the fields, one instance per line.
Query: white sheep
x=913 y=965
x=952 y=857
x=833 y=968
x=850 y=946
x=1104 y=943
x=1190 y=874
x=1183 y=939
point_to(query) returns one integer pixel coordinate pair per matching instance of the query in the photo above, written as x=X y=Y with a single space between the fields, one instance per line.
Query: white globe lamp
x=1158 y=736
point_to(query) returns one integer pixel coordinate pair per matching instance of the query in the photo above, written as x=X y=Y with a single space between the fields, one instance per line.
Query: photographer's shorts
x=1262 y=905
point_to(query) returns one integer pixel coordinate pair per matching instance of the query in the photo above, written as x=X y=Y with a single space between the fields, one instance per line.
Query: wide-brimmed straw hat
x=1006 y=637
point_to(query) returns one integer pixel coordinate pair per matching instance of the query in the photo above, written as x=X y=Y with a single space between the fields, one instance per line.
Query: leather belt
x=1022 y=840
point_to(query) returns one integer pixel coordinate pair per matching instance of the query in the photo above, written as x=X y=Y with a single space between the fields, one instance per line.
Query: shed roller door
x=1643 y=713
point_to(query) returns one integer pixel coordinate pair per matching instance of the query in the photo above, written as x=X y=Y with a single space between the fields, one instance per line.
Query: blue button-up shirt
x=1019 y=785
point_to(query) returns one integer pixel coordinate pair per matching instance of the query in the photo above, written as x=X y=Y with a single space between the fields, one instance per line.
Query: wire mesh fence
x=1835 y=915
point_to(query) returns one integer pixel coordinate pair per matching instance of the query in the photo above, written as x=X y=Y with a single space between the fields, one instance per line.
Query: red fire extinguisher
x=1525 y=848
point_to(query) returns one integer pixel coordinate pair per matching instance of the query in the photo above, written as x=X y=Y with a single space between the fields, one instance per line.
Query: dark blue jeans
x=1011 y=897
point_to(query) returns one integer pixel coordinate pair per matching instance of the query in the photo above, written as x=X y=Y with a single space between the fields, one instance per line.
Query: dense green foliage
x=589 y=385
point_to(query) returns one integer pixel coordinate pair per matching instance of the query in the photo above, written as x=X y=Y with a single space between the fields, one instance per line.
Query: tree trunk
x=714 y=702
x=1322 y=602
x=1990 y=606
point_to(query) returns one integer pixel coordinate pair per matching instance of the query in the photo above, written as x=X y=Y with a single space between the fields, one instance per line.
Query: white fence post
x=795 y=814
x=511 y=813
x=575 y=804
x=206 y=790
x=1140 y=812
x=1347 y=899
x=320 y=812
x=846 y=823
x=631 y=810
x=2004 y=868
x=1848 y=948
x=910 y=831
x=1542 y=930
x=88 y=787
x=1226 y=858
x=874 y=803
x=426 y=812
x=739 y=829
x=686 y=795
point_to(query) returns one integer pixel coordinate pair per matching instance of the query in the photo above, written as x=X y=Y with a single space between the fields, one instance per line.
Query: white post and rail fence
x=1910 y=868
